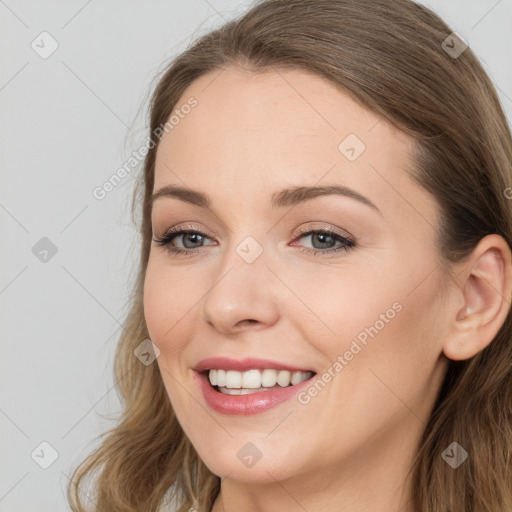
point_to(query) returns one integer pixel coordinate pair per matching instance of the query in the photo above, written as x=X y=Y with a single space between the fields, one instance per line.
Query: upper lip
x=242 y=365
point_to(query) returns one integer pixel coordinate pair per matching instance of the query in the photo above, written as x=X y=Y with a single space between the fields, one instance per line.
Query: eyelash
x=166 y=239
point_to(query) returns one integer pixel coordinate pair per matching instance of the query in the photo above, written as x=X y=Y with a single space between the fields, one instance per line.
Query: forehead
x=255 y=133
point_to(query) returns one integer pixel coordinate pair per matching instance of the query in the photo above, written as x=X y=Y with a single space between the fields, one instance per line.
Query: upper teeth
x=253 y=379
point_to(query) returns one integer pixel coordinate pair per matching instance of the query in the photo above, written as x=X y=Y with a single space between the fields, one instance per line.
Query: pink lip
x=242 y=365
x=245 y=405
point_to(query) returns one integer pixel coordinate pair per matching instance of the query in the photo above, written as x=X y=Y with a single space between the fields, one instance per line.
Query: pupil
x=191 y=235
x=322 y=236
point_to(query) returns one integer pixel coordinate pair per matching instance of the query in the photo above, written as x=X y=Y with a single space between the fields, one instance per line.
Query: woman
x=325 y=275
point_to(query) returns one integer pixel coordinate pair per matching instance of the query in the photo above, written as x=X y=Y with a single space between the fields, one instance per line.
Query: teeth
x=268 y=378
x=283 y=378
x=251 y=379
x=256 y=379
x=228 y=391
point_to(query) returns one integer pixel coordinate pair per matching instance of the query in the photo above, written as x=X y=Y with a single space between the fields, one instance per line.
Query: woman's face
x=364 y=315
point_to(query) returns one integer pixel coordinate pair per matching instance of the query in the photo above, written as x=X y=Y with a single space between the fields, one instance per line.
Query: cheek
x=336 y=305
x=373 y=319
x=382 y=357
x=394 y=349
x=163 y=312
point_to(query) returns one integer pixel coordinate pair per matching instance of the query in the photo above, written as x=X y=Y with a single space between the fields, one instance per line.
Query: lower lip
x=245 y=405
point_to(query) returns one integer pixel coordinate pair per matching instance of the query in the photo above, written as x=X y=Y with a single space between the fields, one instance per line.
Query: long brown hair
x=390 y=56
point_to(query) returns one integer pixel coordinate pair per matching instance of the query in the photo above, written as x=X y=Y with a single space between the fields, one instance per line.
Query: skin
x=350 y=447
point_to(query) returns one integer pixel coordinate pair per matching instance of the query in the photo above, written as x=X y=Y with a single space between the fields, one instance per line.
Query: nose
x=241 y=297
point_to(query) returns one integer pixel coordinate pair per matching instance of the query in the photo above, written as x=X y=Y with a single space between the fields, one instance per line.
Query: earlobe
x=485 y=284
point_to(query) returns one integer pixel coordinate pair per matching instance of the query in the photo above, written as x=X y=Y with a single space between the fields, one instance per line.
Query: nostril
x=249 y=321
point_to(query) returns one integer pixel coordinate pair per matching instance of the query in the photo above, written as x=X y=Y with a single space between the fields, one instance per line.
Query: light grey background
x=69 y=121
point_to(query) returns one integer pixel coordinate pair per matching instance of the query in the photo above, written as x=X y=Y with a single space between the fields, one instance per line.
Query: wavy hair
x=388 y=55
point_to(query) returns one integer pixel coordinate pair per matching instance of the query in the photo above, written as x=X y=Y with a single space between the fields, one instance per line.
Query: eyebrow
x=280 y=199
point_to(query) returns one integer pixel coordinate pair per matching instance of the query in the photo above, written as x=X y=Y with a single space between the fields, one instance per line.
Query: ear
x=484 y=289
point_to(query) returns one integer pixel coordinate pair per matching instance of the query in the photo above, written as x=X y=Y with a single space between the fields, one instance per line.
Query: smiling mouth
x=231 y=382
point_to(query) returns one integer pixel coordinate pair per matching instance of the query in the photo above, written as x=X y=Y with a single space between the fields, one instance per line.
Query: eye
x=325 y=239
x=190 y=237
